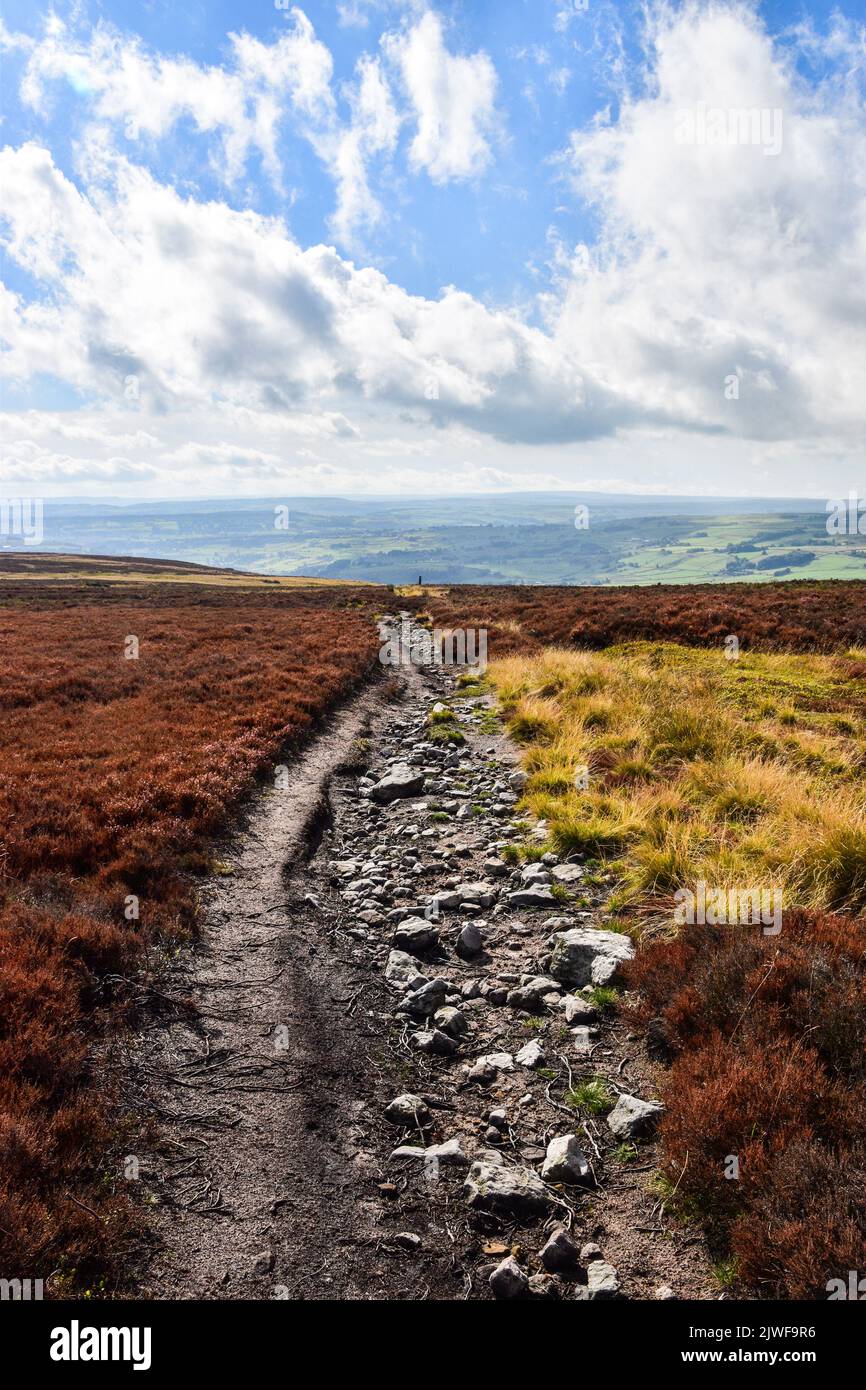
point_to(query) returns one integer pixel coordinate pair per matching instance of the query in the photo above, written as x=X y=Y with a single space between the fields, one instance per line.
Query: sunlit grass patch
x=673 y=764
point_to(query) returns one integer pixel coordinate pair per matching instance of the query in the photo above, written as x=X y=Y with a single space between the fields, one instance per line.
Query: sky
x=391 y=246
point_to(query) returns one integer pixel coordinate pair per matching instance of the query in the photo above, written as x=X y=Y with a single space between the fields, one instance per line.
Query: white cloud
x=192 y=302
x=253 y=356
x=373 y=130
x=243 y=104
x=148 y=93
x=719 y=259
x=453 y=97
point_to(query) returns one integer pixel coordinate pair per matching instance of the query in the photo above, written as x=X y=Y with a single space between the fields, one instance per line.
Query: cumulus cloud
x=722 y=257
x=453 y=98
x=243 y=104
x=148 y=93
x=183 y=302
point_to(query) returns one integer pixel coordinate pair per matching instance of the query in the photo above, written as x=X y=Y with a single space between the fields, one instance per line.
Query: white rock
x=567 y=873
x=632 y=1118
x=407 y=1109
x=512 y=1191
x=565 y=1161
x=450 y=1153
x=433 y=1041
x=602 y=1280
x=401 y=969
x=537 y=896
x=531 y=1055
x=415 y=934
x=584 y=956
x=401 y=780
x=485 y=1068
x=451 y=1021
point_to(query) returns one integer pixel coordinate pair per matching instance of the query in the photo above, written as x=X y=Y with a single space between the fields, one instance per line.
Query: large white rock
x=565 y=1161
x=531 y=1055
x=567 y=873
x=510 y=1191
x=478 y=894
x=415 y=934
x=602 y=1280
x=485 y=1068
x=585 y=956
x=536 y=895
x=401 y=969
x=402 y=780
x=632 y=1118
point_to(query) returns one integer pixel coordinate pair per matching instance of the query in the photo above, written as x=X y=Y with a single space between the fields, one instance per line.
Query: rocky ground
x=402 y=1078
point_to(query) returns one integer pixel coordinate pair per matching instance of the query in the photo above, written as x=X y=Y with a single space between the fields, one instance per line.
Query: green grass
x=595 y=1097
x=604 y=998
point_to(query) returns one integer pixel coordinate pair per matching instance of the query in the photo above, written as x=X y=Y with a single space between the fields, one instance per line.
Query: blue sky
x=531 y=279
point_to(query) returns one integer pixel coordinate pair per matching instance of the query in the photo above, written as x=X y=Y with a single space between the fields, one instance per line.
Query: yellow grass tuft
x=677 y=765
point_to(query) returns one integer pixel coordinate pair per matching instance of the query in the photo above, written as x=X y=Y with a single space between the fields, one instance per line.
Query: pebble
x=508 y=1280
x=560 y=1251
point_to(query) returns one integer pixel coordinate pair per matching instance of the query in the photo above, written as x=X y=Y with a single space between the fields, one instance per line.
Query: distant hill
x=513 y=538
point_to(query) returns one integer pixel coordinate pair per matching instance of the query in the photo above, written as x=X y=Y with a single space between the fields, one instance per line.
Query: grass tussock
x=679 y=766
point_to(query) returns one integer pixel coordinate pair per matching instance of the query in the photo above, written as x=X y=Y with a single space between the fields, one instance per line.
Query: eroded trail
x=260 y=1183
x=366 y=946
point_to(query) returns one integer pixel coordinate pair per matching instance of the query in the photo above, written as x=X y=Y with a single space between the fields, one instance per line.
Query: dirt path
x=273 y=1175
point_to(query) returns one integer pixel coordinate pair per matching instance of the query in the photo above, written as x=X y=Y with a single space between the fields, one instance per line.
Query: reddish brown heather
x=768 y=1065
x=114 y=775
x=796 y=616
